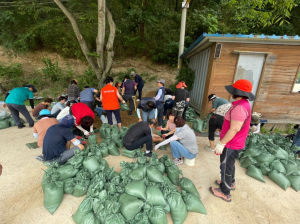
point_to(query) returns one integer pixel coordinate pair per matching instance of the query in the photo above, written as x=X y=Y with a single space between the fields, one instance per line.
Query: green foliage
x=88 y=79
x=11 y=76
x=51 y=70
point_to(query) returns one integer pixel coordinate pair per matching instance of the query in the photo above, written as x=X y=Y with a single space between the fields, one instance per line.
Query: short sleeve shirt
x=41 y=127
x=138 y=79
x=218 y=102
x=19 y=95
x=181 y=95
x=57 y=106
x=238 y=113
x=80 y=110
x=87 y=95
x=38 y=108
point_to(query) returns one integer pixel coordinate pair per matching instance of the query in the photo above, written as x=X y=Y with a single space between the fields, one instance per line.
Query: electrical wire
x=41 y=3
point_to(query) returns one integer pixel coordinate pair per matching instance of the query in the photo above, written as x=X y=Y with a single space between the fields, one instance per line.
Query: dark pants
x=166 y=132
x=78 y=132
x=139 y=143
x=215 y=122
x=116 y=113
x=67 y=154
x=168 y=105
x=140 y=89
x=185 y=108
x=56 y=113
x=227 y=160
x=129 y=97
x=90 y=104
x=15 y=109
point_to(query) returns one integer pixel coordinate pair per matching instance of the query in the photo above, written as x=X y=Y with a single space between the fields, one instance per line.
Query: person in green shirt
x=14 y=100
x=216 y=102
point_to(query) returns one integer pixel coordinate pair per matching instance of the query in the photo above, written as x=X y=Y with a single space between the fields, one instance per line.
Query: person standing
x=109 y=97
x=128 y=90
x=168 y=102
x=181 y=99
x=14 y=100
x=59 y=106
x=233 y=136
x=148 y=106
x=159 y=100
x=87 y=96
x=41 y=106
x=73 y=91
x=139 y=82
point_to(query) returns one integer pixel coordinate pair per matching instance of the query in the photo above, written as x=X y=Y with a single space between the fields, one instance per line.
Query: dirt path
x=21 y=196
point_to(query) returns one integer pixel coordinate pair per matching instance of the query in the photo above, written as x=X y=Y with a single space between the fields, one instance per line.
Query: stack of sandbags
x=200 y=125
x=8 y=121
x=273 y=156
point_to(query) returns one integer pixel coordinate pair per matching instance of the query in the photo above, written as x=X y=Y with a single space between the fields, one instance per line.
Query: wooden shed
x=271 y=63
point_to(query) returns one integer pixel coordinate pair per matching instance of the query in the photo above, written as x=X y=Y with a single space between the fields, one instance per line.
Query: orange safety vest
x=110 y=99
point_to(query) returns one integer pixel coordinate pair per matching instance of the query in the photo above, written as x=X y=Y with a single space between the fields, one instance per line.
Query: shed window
x=296 y=87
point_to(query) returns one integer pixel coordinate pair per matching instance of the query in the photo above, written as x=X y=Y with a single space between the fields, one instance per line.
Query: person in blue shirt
x=14 y=100
x=59 y=106
x=87 y=96
x=159 y=100
x=140 y=84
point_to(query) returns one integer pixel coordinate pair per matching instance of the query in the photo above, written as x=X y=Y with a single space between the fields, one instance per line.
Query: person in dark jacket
x=181 y=99
x=73 y=91
x=128 y=90
x=148 y=106
x=168 y=102
x=139 y=82
x=87 y=96
x=159 y=100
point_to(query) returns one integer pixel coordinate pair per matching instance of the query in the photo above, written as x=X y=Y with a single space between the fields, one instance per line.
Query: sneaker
x=21 y=126
x=218 y=193
x=218 y=182
x=149 y=154
x=217 y=133
x=40 y=158
x=178 y=161
x=137 y=100
x=209 y=149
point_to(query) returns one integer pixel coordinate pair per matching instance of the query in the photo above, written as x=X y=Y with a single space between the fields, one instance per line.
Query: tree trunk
x=100 y=40
x=110 y=43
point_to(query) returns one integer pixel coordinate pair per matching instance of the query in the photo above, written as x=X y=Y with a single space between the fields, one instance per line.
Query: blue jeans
x=145 y=115
x=296 y=139
x=100 y=110
x=117 y=115
x=179 y=150
x=168 y=105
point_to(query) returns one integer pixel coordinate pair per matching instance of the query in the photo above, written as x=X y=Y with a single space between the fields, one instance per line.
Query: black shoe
x=21 y=126
x=129 y=113
x=149 y=154
x=31 y=125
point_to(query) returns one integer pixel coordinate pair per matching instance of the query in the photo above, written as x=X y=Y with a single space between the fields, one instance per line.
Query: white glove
x=219 y=148
x=86 y=133
x=91 y=130
x=123 y=101
x=157 y=146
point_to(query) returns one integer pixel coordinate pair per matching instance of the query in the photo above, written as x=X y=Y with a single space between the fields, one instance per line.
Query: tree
x=101 y=60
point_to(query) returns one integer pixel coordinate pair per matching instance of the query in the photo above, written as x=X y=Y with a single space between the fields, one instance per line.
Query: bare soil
x=21 y=194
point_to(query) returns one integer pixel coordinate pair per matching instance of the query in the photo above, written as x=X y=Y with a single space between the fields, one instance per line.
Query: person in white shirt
x=66 y=110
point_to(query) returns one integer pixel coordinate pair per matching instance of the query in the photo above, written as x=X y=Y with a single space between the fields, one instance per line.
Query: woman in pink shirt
x=233 y=136
x=170 y=128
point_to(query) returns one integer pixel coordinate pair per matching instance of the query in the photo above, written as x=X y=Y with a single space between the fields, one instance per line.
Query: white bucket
x=189 y=162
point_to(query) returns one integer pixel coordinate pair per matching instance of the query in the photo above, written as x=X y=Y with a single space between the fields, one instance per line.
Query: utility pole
x=185 y=5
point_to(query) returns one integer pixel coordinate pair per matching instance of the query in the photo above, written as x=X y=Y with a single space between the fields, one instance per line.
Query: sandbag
x=105 y=131
x=81 y=188
x=76 y=160
x=154 y=175
x=157 y=215
x=279 y=179
x=188 y=186
x=113 y=150
x=137 y=189
x=130 y=206
x=90 y=218
x=154 y=196
x=256 y=173
x=290 y=166
x=92 y=139
x=264 y=168
x=193 y=203
x=198 y=125
x=278 y=166
x=66 y=171
x=278 y=152
x=84 y=208
x=4 y=124
x=167 y=180
x=115 y=219
x=91 y=163
x=265 y=157
x=178 y=207
x=104 y=151
x=163 y=147
x=248 y=161
x=167 y=208
x=69 y=186
x=173 y=174
x=253 y=152
x=295 y=182
x=138 y=173
x=53 y=195
x=124 y=106
x=128 y=155
x=119 y=143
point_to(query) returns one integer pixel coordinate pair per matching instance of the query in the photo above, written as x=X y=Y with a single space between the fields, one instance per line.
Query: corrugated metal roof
x=206 y=40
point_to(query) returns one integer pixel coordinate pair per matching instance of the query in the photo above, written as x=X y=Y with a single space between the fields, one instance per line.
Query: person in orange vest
x=109 y=97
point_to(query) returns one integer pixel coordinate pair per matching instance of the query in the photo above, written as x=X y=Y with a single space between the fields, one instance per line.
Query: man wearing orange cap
x=233 y=136
x=181 y=99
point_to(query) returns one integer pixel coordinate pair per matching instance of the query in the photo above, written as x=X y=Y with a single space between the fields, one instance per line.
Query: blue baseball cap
x=43 y=113
x=68 y=121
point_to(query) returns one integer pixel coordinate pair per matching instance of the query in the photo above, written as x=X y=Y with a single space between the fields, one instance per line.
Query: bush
x=11 y=76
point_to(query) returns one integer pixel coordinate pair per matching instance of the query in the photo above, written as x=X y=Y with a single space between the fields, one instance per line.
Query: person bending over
x=65 y=111
x=87 y=96
x=41 y=106
x=57 y=141
x=59 y=106
x=147 y=105
x=170 y=128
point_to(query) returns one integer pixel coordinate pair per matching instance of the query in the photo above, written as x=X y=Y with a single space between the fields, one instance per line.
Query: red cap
x=181 y=84
x=243 y=85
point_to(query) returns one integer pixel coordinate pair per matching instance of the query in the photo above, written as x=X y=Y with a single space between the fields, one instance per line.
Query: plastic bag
x=53 y=195
x=104 y=151
x=256 y=173
x=188 y=186
x=155 y=196
x=178 y=207
x=279 y=179
x=91 y=163
x=84 y=208
x=193 y=203
x=157 y=215
x=138 y=173
x=92 y=139
x=278 y=166
x=173 y=174
x=130 y=206
x=113 y=150
x=66 y=171
x=153 y=174
x=295 y=182
x=137 y=189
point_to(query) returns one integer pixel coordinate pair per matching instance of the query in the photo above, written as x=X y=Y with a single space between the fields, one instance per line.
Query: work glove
x=164 y=135
x=159 y=128
x=86 y=133
x=123 y=101
x=219 y=148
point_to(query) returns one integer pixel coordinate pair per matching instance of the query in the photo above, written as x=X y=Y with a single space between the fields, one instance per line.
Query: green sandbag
x=130 y=206
x=119 y=143
x=115 y=219
x=105 y=132
x=4 y=124
x=128 y=155
x=142 y=160
x=157 y=215
x=130 y=152
x=295 y=182
x=178 y=207
x=167 y=208
x=66 y=171
x=163 y=147
x=173 y=174
x=81 y=188
x=53 y=195
x=69 y=186
x=113 y=150
x=278 y=166
x=279 y=179
x=104 y=151
x=84 y=208
x=265 y=170
x=164 y=124
x=124 y=106
x=290 y=166
x=155 y=196
x=161 y=167
x=137 y=189
x=103 y=165
x=265 y=157
x=198 y=125
x=167 y=180
x=91 y=163
x=138 y=173
x=242 y=159
x=193 y=203
x=188 y=186
x=90 y=218
x=92 y=139
x=154 y=175
x=159 y=133
x=76 y=161
x=248 y=161
x=253 y=152
x=256 y=173
x=278 y=152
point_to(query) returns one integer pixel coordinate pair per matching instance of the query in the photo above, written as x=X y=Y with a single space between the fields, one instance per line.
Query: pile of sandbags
x=7 y=121
x=200 y=125
x=190 y=114
x=273 y=156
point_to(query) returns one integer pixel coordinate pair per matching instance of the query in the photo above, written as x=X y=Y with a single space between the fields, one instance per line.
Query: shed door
x=250 y=67
x=199 y=63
